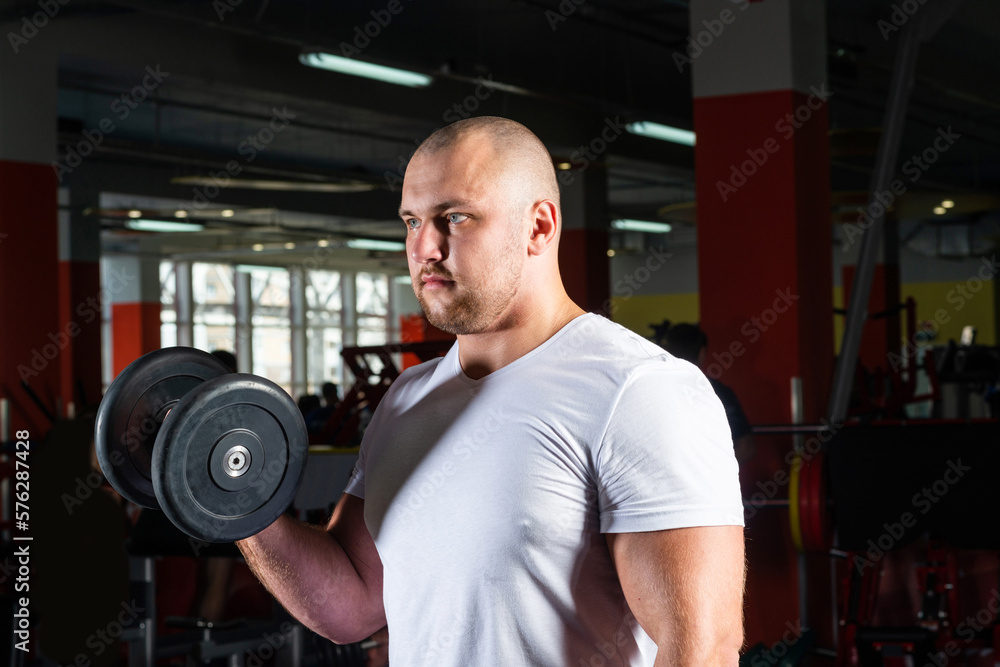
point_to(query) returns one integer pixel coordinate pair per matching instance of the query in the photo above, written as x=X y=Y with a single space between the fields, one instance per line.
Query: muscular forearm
x=317 y=580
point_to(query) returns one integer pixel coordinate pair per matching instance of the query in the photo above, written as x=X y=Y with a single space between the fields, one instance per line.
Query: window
x=372 y=290
x=271 y=323
x=373 y=308
x=214 y=307
x=324 y=333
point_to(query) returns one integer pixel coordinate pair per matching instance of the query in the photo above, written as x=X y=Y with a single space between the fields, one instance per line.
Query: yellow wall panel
x=638 y=312
x=953 y=303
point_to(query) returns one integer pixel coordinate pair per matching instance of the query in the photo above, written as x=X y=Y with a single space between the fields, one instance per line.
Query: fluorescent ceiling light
x=627 y=225
x=163 y=226
x=276 y=186
x=662 y=132
x=227 y=213
x=180 y=213
x=376 y=244
x=360 y=68
x=135 y=213
x=250 y=268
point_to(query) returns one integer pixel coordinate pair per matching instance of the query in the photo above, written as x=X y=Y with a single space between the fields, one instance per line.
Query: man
x=316 y=419
x=527 y=499
x=688 y=342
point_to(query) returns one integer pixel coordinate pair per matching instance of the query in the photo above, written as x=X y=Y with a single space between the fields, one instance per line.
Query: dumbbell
x=220 y=453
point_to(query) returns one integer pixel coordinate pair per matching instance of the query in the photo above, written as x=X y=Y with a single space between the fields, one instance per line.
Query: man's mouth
x=433 y=281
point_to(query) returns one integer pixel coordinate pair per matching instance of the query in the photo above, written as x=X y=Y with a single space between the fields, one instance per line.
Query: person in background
x=317 y=418
x=308 y=404
x=688 y=342
x=226 y=357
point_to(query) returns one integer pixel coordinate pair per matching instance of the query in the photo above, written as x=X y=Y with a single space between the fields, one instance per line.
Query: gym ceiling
x=565 y=68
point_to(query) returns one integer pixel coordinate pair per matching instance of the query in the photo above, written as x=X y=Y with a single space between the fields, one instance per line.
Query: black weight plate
x=131 y=411
x=251 y=424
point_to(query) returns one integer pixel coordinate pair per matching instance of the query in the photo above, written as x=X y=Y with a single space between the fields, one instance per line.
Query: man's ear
x=545 y=225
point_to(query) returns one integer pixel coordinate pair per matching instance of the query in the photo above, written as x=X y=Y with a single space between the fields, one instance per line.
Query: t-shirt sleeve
x=356 y=484
x=666 y=459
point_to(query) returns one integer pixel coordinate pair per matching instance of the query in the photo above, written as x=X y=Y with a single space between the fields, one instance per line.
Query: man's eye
x=412 y=223
x=455 y=218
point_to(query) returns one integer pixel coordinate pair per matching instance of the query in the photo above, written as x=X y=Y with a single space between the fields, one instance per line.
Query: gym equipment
x=808 y=509
x=220 y=453
x=374 y=369
x=133 y=409
x=808 y=502
x=252 y=438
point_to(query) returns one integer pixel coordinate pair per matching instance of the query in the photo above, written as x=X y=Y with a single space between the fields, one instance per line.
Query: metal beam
x=886 y=161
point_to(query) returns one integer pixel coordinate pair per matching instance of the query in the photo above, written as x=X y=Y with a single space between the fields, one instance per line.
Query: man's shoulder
x=607 y=357
x=595 y=336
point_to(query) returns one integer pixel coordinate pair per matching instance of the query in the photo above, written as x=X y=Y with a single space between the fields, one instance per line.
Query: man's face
x=464 y=243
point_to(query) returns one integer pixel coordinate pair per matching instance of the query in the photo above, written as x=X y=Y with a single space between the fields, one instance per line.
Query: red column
x=583 y=244
x=135 y=330
x=31 y=338
x=882 y=335
x=764 y=248
x=134 y=288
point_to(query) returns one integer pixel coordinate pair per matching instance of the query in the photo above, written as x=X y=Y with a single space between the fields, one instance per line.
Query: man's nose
x=427 y=244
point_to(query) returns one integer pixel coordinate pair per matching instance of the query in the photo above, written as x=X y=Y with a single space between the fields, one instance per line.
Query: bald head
x=521 y=161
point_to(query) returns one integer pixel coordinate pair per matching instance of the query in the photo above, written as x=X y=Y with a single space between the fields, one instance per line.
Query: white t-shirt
x=487 y=499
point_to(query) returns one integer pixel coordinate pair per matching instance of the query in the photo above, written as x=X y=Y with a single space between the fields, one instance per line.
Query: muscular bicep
x=347 y=526
x=685 y=587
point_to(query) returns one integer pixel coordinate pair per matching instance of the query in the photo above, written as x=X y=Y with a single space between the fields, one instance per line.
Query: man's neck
x=484 y=353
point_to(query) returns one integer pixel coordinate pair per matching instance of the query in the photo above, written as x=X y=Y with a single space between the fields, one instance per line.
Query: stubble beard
x=476 y=308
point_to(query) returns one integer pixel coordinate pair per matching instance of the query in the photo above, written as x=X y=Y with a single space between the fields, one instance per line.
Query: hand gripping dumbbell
x=221 y=453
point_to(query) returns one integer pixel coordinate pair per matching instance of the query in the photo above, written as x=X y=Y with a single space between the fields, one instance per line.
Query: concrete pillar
x=297 y=315
x=244 y=322
x=349 y=309
x=134 y=286
x=764 y=248
x=33 y=338
x=184 y=303
x=583 y=246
